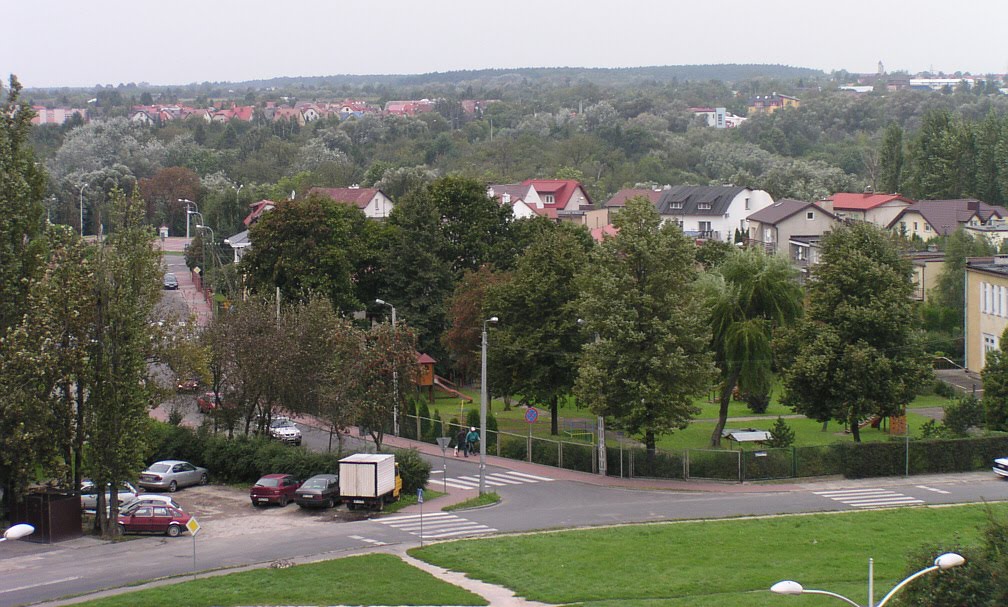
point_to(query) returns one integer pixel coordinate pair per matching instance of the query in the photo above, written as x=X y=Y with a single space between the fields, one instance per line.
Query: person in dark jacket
x=460 y=439
x=471 y=439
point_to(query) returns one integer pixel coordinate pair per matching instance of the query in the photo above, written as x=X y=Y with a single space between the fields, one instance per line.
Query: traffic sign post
x=194 y=527
x=419 y=499
x=531 y=415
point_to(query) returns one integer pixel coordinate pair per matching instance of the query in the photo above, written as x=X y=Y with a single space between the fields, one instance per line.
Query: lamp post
x=943 y=562
x=395 y=375
x=602 y=457
x=483 y=405
x=188 y=213
x=237 y=191
x=16 y=532
x=202 y=226
x=82 y=209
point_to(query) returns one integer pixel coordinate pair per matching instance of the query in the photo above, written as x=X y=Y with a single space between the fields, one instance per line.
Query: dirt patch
x=224 y=511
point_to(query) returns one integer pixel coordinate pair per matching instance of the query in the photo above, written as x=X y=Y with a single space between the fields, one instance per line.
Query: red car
x=207 y=402
x=154 y=519
x=274 y=489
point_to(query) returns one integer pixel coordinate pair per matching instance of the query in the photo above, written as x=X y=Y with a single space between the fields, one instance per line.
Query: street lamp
x=602 y=457
x=237 y=190
x=483 y=406
x=16 y=532
x=188 y=213
x=201 y=226
x=82 y=209
x=395 y=375
x=943 y=562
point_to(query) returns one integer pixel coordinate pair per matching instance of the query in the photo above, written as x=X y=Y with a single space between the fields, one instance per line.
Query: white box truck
x=369 y=480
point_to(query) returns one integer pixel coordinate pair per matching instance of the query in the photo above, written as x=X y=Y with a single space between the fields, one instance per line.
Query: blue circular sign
x=531 y=415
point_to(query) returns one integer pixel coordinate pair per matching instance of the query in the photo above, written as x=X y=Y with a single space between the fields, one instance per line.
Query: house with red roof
x=258 y=208
x=238 y=112
x=618 y=200
x=375 y=203
x=409 y=107
x=879 y=209
x=557 y=199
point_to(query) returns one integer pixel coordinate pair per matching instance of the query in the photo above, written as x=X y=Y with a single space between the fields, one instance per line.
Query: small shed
x=425 y=374
x=748 y=435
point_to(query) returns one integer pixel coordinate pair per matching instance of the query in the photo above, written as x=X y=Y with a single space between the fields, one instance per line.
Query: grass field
x=718 y=563
x=697 y=436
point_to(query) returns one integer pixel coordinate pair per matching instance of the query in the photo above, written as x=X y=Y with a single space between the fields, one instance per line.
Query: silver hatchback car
x=171 y=474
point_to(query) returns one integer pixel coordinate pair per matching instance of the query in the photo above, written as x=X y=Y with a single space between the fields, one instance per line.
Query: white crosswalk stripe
x=493 y=479
x=870 y=498
x=436 y=525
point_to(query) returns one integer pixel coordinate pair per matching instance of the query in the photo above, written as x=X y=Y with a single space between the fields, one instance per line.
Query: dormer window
x=703 y=206
x=548 y=198
x=675 y=205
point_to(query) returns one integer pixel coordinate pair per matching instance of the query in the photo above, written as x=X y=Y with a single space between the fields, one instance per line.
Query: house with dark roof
x=557 y=199
x=879 y=209
x=929 y=218
x=618 y=200
x=711 y=212
x=791 y=229
x=374 y=202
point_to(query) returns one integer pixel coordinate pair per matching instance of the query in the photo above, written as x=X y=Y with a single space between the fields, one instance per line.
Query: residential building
x=929 y=218
x=372 y=201
x=618 y=200
x=711 y=212
x=718 y=117
x=768 y=104
x=927 y=266
x=56 y=115
x=986 y=308
x=409 y=108
x=775 y=226
x=879 y=209
x=557 y=199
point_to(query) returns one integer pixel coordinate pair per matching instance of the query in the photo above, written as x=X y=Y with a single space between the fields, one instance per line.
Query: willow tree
x=758 y=293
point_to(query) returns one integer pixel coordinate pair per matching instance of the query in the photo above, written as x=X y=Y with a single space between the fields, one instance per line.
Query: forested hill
x=729 y=72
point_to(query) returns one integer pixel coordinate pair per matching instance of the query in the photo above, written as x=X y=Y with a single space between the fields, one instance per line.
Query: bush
x=967 y=412
x=414 y=470
x=944 y=390
x=781 y=434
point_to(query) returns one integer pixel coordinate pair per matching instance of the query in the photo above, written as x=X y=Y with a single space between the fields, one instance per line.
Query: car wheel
x=122 y=529
x=351 y=506
x=203 y=479
x=172 y=487
x=283 y=501
x=174 y=531
x=330 y=503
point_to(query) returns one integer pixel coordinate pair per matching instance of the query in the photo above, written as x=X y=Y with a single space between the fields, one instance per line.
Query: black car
x=320 y=491
x=170 y=282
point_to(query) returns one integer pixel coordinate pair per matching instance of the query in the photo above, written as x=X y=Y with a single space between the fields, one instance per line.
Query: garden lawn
x=378 y=579
x=714 y=563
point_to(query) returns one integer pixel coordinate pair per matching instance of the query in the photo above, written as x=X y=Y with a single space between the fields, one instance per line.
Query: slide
x=446 y=386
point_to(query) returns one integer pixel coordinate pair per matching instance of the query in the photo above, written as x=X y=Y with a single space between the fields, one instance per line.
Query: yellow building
x=768 y=104
x=986 y=308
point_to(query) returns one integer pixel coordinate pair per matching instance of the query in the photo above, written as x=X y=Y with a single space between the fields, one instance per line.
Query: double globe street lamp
x=483 y=406
x=942 y=563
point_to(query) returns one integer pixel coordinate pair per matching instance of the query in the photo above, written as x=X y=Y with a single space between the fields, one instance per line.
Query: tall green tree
x=857 y=352
x=995 y=386
x=941 y=158
x=465 y=317
x=950 y=289
x=891 y=159
x=538 y=338
x=651 y=356
x=126 y=290
x=760 y=293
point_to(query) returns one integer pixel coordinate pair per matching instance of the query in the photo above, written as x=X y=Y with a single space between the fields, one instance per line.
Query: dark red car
x=274 y=489
x=154 y=519
x=207 y=402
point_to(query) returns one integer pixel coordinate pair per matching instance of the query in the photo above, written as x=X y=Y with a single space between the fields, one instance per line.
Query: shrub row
x=243 y=459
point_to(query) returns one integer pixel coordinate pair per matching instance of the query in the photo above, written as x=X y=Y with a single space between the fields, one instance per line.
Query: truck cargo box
x=367 y=475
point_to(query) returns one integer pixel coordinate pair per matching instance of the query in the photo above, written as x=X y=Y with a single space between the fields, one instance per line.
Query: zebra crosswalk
x=870 y=498
x=436 y=525
x=493 y=479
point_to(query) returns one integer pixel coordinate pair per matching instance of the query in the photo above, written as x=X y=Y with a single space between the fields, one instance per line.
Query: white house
x=374 y=202
x=712 y=212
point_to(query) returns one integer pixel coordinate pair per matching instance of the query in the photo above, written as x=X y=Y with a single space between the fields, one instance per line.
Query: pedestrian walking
x=471 y=439
x=460 y=439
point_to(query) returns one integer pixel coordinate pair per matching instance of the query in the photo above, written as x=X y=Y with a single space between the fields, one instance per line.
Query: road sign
x=419 y=495
x=443 y=442
x=193 y=526
x=531 y=415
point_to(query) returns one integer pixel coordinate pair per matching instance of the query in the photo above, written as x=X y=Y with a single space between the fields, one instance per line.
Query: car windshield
x=159 y=468
x=282 y=423
x=268 y=482
x=315 y=483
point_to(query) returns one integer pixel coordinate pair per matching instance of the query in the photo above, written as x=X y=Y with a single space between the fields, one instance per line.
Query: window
x=548 y=199
x=703 y=206
x=990 y=343
x=810 y=215
x=747 y=203
x=705 y=226
x=161 y=511
x=927 y=227
x=915 y=226
x=903 y=227
x=675 y=205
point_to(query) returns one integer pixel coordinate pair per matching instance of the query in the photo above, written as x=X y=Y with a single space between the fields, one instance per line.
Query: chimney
x=973 y=205
x=490 y=192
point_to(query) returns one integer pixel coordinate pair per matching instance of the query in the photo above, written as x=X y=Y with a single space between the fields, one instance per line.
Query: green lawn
x=697 y=435
x=377 y=579
x=713 y=563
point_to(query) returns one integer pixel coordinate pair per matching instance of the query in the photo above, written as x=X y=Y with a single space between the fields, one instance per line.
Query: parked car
x=188 y=385
x=89 y=494
x=170 y=282
x=149 y=499
x=274 y=489
x=320 y=491
x=283 y=428
x=207 y=402
x=171 y=474
x=1001 y=467
x=154 y=519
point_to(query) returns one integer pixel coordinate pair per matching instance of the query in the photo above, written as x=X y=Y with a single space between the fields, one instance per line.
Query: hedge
x=243 y=459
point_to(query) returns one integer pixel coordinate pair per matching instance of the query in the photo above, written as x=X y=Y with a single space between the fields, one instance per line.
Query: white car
x=282 y=428
x=1001 y=466
x=148 y=499
x=89 y=494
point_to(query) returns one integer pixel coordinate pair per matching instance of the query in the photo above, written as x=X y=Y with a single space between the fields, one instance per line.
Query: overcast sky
x=73 y=43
